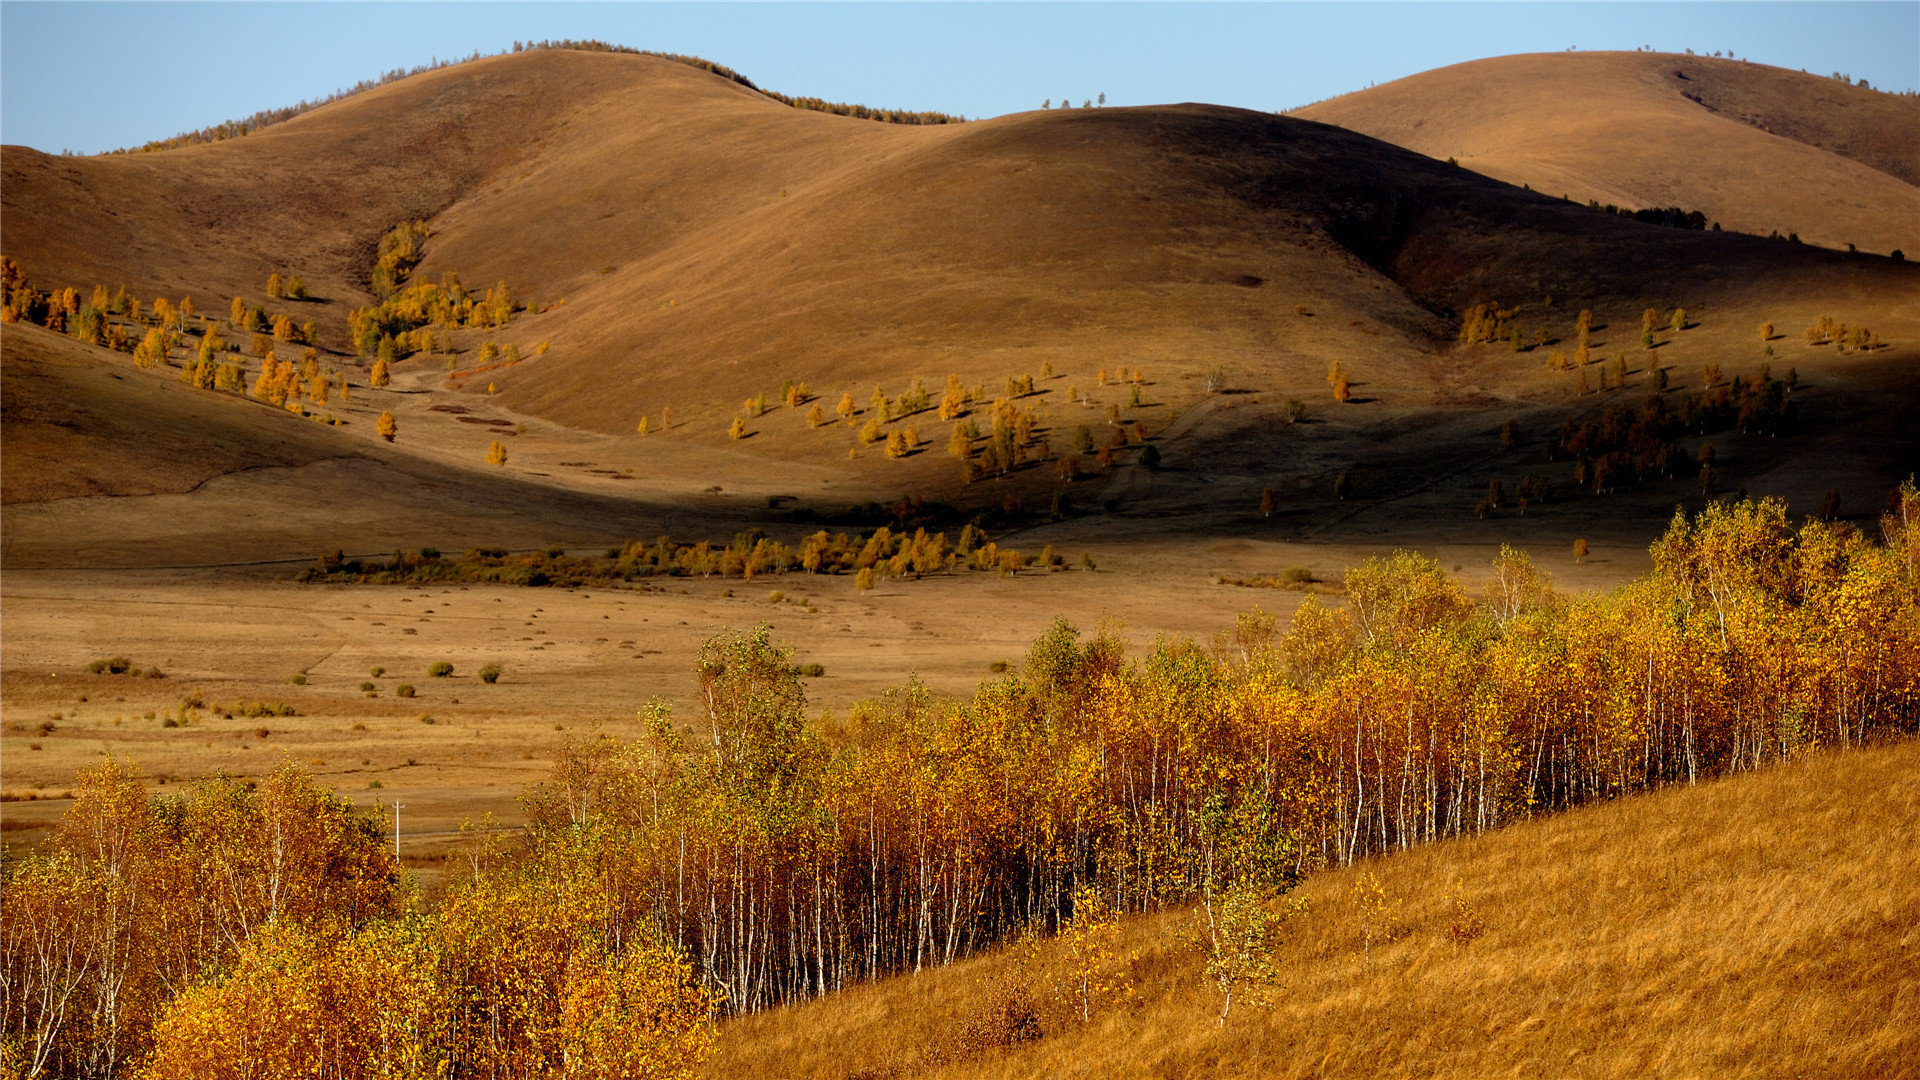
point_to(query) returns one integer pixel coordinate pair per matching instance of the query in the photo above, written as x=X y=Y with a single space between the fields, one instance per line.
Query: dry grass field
x=1763 y=925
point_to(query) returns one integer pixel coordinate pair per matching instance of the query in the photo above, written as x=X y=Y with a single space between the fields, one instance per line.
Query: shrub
x=490 y=674
x=298 y=680
x=403 y=690
x=813 y=671
x=440 y=669
x=377 y=671
x=1150 y=457
x=366 y=686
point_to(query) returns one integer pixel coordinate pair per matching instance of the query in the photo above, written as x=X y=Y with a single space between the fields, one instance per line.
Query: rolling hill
x=692 y=242
x=1759 y=149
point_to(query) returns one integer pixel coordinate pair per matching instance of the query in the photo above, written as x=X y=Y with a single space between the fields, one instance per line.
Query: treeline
x=880 y=553
x=790 y=860
x=1672 y=217
x=265 y=118
x=783 y=858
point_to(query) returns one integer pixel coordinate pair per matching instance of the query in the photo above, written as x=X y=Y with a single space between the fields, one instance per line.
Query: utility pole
x=397 y=804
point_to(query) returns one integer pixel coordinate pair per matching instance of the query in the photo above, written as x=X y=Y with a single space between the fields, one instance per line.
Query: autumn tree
x=274 y=287
x=846 y=408
x=737 y=429
x=1342 y=389
x=1240 y=933
x=816 y=416
x=496 y=453
x=385 y=425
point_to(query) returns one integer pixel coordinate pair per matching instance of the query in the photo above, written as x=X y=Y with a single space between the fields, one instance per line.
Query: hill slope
x=693 y=242
x=710 y=242
x=1756 y=148
x=1760 y=925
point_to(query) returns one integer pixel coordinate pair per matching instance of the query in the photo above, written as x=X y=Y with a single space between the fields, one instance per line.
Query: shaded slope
x=1756 y=148
x=72 y=426
x=1756 y=925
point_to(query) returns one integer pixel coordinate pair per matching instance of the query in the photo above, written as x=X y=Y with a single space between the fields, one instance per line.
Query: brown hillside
x=1756 y=148
x=1755 y=926
x=710 y=242
x=693 y=243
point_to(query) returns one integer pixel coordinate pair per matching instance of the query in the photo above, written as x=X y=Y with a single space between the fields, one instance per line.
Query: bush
x=403 y=690
x=366 y=686
x=813 y=671
x=440 y=669
x=490 y=674
x=298 y=680
x=1150 y=457
x=377 y=671
x=116 y=666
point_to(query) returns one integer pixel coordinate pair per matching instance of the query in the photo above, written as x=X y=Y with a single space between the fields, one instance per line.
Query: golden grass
x=1764 y=925
x=1756 y=148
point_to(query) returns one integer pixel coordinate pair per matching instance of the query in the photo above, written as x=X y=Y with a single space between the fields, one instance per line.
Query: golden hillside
x=1758 y=925
x=1758 y=149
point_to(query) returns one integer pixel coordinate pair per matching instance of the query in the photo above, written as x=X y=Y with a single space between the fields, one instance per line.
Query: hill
x=689 y=243
x=1759 y=149
x=1757 y=924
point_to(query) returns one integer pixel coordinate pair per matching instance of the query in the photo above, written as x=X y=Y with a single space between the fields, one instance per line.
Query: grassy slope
x=1756 y=148
x=1762 y=925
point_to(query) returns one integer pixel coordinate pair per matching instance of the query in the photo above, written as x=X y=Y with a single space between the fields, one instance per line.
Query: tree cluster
x=246 y=930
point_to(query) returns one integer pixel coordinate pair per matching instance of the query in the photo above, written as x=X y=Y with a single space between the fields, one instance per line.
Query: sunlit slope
x=1756 y=148
x=311 y=195
x=1760 y=925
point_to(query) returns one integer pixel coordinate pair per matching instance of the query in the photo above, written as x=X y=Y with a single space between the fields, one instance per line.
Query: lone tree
x=1342 y=389
x=379 y=375
x=1580 y=550
x=1269 y=502
x=386 y=427
x=496 y=453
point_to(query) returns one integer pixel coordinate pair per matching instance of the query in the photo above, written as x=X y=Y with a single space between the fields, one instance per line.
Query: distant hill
x=1759 y=149
x=691 y=242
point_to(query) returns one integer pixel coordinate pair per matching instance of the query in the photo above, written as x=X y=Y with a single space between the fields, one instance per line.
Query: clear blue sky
x=96 y=76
